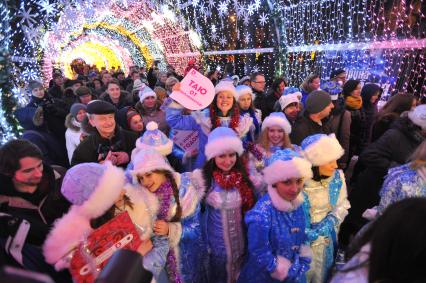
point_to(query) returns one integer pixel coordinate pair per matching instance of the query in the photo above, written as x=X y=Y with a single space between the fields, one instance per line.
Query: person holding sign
x=222 y=112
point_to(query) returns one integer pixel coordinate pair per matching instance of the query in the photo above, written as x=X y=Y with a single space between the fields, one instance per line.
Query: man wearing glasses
x=258 y=84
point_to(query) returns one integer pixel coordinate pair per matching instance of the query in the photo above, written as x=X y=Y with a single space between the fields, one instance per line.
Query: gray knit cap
x=317 y=101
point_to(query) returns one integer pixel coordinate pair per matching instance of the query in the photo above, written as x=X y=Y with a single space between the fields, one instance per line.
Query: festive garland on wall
x=9 y=128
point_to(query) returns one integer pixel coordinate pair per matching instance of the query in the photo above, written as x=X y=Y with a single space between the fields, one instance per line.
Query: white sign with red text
x=186 y=140
x=196 y=91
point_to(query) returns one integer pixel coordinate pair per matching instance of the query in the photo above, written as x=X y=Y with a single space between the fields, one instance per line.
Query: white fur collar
x=282 y=204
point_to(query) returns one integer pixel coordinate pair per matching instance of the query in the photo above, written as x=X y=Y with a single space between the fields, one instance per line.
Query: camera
x=103 y=149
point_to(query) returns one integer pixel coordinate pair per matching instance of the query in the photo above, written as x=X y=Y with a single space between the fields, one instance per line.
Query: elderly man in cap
x=108 y=142
x=313 y=120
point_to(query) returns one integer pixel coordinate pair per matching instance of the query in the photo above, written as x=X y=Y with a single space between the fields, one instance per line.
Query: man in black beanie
x=108 y=142
x=318 y=107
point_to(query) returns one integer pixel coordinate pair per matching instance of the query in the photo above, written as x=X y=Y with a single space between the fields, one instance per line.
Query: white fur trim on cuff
x=221 y=146
x=283 y=266
x=305 y=251
x=279 y=122
x=283 y=170
x=175 y=233
x=323 y=151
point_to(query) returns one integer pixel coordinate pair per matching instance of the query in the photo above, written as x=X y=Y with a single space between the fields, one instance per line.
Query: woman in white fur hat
x=274 y=136
x=174 y=200
x=230 y=194
x=276 y=225
x=326 y=204
x=222 y=112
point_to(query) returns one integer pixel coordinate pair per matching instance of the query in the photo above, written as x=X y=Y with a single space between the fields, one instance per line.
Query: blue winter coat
x=200 y=121
x=275 y=230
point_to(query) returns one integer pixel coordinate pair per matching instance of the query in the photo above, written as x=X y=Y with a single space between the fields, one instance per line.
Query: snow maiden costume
x=260 y=156
x=325 y=205
x=276 y=227
x=186 y=260
x=205 y=121
x=93 y=189
x=229 y=195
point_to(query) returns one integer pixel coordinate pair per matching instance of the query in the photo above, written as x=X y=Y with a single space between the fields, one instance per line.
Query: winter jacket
x=370 y=112
x=54 y=152
x=392 y=149
x=358 y=122
x=304 y=127
x=325 y=206
x=200 y=121
x=261 y=103
x=40 y=208
x=276 y=237
x=400 y=183
x=382 y=124
x=126 y=99
x=73 y=135
x=270 y=101
x=340 y=124
x=90 y=148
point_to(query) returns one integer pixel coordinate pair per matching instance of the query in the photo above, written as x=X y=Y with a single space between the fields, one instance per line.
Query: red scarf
x=235 y=180
x=235 y=118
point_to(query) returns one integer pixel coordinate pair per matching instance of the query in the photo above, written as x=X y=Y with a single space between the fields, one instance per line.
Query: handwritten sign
x=186 y=140
x=196 y=91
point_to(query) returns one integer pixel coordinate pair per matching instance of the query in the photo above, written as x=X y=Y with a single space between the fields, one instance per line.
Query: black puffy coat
x=392 y=149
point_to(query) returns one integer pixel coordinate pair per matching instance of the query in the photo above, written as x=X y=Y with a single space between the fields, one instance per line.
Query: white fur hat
x=145 y=91
x=321 y=149
x=221 y=140
x=418 y=116
x=225 y=85
x=286 y=164
x=148 y=160
x=243 y=89
x=286 y=100
x=277 y=119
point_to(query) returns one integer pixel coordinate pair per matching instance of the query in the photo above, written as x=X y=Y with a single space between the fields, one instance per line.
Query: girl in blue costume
x=222 y=112
x=274 y=136
x=276 y=225
x=245 y=98
x=326 y=204
x=408 y=180
x=229 y=195
x=174 y=200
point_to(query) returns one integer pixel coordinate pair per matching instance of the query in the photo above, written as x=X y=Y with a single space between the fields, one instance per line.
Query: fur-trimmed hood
x=69 y=230
x=71 y=123
x=282 y=204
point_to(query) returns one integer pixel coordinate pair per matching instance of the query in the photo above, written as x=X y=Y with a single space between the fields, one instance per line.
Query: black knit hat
x=317 y=101
x=100 y=107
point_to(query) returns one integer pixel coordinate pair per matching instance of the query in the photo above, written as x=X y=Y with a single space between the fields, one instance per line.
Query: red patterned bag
x=92 y=255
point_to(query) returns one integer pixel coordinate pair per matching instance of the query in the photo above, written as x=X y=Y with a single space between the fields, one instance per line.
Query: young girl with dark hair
x=276 y=225
x=176 y=209
x=326 y=204
x=229 y=195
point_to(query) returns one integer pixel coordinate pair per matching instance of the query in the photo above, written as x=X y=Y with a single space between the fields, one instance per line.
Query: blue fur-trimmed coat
x=276 y=237
x=200 y=121
x=401 y=182
x=326 y=206
x=185 y=237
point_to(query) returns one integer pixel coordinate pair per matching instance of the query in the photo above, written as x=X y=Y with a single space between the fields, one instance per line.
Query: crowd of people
x=285 y=184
